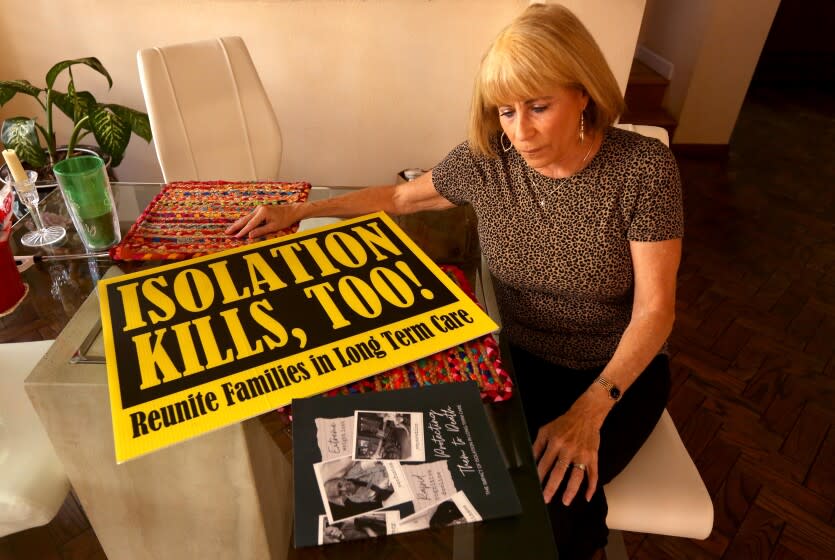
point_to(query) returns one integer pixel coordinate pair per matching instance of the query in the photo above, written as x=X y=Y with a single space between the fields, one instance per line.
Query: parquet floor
x=754 y=341
x=754 y=346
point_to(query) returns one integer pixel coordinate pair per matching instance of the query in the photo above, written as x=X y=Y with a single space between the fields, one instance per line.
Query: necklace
x=566 y=180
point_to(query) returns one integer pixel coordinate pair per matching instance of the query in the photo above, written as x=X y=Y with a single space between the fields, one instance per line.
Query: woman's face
x=339 y=488
x=345 y=487
x=544 y=130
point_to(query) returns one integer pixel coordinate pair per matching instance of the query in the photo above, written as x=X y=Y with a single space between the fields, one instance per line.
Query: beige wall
x=362 y=88
x=714 y=46
x=675 y=30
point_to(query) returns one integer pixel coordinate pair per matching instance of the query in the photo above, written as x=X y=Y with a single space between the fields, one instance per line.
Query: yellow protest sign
x=200 y=344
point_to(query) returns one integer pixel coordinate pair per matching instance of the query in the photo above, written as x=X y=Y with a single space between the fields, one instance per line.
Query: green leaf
x=74 y=106
x=63 y=101
x=9 y=88
x=44 y=132
x=5 y=95
x=91 y=61
x=83 y=102
x=140 y=124
x=18 y=133
x=111 y=131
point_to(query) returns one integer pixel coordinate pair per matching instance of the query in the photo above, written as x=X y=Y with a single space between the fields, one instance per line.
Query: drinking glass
x=28 y=195
x=86 y=189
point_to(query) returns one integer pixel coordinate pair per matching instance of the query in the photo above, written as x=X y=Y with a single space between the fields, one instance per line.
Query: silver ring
x=580 y=466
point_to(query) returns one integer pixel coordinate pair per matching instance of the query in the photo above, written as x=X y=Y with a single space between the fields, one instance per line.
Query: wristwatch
x=614 y=392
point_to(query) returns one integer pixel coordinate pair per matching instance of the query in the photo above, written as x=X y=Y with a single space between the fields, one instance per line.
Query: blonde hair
x=544 y=48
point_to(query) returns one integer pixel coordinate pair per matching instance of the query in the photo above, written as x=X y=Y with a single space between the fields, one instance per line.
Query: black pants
x=548 y=391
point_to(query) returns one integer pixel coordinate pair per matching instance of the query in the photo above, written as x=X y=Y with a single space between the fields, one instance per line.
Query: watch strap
x=611 y=388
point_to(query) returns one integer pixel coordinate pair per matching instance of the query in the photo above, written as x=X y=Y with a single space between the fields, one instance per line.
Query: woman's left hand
x=564 y=444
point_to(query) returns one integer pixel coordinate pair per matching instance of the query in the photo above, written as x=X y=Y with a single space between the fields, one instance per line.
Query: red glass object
x=12 y=289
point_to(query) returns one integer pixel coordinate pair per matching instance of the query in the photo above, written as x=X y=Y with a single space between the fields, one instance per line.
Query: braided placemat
x=476 y=360
x=189 y=218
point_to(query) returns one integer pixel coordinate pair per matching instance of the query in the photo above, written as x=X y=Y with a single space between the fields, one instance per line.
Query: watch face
x=614 y=392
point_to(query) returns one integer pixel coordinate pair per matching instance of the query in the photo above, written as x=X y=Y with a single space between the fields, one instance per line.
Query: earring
x=582 y=127
x=502 y=138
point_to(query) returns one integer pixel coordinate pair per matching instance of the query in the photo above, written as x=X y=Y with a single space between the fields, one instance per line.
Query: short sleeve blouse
x=559 y=248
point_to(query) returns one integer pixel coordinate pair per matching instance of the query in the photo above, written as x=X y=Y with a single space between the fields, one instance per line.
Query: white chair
x=210 y=115
x=660 y=491
x=33 y=484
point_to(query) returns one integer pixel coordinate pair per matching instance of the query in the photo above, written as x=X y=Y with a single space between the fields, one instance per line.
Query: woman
x=364 y=486
x=581 y=225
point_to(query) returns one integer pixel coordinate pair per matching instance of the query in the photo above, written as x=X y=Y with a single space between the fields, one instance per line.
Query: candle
x=17 y=171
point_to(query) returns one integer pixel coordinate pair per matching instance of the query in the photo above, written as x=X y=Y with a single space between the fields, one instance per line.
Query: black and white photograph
x=350 y=488
x=457 y=510
x=461 y=476
x=388 y=436
x=365 y=526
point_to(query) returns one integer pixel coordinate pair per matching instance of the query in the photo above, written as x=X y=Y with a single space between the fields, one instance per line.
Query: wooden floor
x=753 y=364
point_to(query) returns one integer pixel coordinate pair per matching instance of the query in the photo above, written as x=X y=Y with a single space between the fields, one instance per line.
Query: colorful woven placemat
x=477 y=360
x=188 y=219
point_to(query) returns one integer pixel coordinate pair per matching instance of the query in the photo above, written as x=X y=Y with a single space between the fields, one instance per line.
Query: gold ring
x=580 y=466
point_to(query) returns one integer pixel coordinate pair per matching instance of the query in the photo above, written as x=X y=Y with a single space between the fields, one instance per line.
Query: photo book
x=374 y=464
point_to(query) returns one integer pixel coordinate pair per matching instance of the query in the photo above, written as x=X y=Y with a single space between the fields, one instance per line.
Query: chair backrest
x=648 y=130
x=210 y=115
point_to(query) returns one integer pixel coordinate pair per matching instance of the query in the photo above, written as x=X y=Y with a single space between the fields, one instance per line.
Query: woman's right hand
x=264 y=220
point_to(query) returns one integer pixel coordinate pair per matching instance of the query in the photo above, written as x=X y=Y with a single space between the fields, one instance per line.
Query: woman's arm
x=575 y=436
x=404 y=198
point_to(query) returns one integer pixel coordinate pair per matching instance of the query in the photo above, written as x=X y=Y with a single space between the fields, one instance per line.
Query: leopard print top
x=559 y=248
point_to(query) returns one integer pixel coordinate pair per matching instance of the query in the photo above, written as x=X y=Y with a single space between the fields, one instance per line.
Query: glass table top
x=62 y=277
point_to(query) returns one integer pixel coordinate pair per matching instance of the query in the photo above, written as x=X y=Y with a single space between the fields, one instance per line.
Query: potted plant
x=35 y=142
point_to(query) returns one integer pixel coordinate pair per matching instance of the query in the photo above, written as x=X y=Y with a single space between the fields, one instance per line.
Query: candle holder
x=28 y=195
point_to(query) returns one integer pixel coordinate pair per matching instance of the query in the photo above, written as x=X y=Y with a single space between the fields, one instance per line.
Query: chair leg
x=616 y=548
